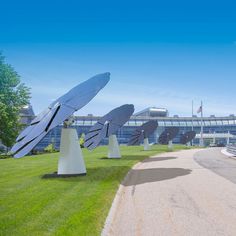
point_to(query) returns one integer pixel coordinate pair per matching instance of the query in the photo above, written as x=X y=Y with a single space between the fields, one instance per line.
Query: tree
x=13 y=96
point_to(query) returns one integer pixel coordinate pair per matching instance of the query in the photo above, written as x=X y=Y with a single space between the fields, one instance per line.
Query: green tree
x=13 y=96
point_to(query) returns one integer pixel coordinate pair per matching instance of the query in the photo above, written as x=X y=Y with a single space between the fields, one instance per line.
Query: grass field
x=33 y=205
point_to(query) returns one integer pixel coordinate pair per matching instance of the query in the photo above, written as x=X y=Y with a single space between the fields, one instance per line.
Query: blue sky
x=159 y=53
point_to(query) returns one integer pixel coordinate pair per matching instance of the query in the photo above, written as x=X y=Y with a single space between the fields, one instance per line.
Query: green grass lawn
x=32 y=205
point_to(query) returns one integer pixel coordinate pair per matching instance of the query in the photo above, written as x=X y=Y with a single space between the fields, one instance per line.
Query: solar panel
x=142 y=132
x=187 y=137
x=168 y=134
x=57 y=112
x=108 y=125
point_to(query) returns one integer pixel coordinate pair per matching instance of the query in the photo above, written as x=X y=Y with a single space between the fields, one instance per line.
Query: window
x=168 y=123
x=196 y=123
x=225 y=122
x=161 y=123
x=182 y=123
x=213 y=122
x=207 y=123
x=175 y=123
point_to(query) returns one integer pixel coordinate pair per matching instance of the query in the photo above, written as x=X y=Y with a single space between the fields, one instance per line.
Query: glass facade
x=210 y=125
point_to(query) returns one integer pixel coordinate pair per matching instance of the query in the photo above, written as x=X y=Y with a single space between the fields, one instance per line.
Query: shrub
x=50 y=148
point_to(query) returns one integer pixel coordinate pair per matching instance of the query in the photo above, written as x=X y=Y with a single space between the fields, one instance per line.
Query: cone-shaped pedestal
x=113 y=147
x=146 y=144
x=71 y=160
x=170 y=145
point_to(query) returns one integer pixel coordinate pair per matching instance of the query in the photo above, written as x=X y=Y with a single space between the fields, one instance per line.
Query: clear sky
x=159 y=53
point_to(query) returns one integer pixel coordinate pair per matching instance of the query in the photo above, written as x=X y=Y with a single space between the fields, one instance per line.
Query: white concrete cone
x=146 y=144
x=113 y=147
x=214 y=139
x=71 y=158
x=228 y=138
x=170 y=145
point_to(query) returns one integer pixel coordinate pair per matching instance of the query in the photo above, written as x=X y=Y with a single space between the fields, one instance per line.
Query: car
x=220 y=145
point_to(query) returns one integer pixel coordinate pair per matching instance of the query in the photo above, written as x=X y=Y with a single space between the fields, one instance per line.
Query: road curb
x=107 y=229
x=224 y=151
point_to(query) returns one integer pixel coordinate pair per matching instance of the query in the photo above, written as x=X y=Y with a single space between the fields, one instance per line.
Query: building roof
x=27 y=111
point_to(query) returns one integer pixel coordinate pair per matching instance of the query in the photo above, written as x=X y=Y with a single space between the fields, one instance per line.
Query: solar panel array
x=108 y=125
x=57 y=112
x=187 y=137
x=168 y=134
x=142 y=132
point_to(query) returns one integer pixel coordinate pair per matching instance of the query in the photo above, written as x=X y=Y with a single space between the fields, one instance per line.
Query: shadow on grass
x=141 y=176
x=107 y=158
x=151 y=159
x=143 y=158
x=100 y=173
x=126 y=157
x=55 y=175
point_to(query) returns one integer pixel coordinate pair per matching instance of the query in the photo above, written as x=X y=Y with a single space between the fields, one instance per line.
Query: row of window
x=164 y=123
x=124 y=134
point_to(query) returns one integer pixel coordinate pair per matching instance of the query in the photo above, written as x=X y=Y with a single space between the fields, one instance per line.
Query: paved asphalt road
x=217 y=162
x=171 y=194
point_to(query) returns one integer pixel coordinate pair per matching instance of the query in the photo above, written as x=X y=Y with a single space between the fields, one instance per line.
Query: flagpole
x=201 y=142
x=192 y=115
x=192 y=122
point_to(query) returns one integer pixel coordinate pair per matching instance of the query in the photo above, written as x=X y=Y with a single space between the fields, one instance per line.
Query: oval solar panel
x=187 y=137
x=108 y=125
x=168 y=134
x=142 y=132
x=58 y=112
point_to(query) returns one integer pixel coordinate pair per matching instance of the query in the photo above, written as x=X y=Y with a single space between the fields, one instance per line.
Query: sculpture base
x=146 y=144
x=113 y=147
x=170 y=145
x=71 y=160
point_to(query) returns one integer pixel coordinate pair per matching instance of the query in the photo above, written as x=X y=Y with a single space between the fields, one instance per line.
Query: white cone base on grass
x=146 y=144
x=71 y=160
x=113 y=147
x=170 y=145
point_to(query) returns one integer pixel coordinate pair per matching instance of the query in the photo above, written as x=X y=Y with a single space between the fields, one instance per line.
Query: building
x=211 y=125
x=152 y=112
x=26 y=115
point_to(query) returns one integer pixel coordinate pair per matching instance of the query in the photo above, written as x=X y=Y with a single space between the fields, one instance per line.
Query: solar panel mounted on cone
x=136 y=138
x=108 y=125
x=168 y=134
x=142 y=132
x=187 y=137
x=57 y=112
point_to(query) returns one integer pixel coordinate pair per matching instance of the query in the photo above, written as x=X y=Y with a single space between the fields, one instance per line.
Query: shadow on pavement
x=141 y=176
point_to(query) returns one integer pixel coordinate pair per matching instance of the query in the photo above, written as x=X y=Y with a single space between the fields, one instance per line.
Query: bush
x=50 y=148
x=4 y=156
x=81 y=140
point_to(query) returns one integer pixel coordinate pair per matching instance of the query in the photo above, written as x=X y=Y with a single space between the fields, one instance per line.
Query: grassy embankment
x=33 y=205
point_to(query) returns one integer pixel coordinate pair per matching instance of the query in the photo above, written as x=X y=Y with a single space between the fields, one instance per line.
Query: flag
x=199 y=109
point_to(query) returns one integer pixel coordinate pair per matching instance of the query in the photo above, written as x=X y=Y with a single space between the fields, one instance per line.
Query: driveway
x=172 y=194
